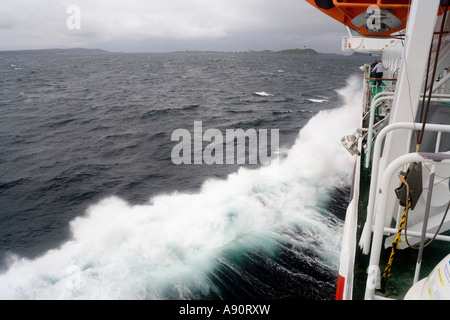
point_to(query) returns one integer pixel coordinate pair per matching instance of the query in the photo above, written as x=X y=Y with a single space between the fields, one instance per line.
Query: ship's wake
x=268 y=232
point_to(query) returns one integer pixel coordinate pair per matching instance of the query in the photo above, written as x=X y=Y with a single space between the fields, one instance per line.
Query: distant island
x=305 y=51
x=286 y=51
x=54 y=51
x=290 y=51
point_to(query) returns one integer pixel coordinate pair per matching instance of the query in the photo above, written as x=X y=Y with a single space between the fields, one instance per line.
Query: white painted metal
x=373 y=107
x=418 y=37
x=364 y=44
x=380 y=216
x=389 y=96
x=366 y=235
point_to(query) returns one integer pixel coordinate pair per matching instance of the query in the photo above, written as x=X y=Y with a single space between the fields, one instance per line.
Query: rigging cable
x=435 y=234
x=430 y=92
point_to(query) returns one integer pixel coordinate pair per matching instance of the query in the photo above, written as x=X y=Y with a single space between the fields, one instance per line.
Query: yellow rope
x=387 y=271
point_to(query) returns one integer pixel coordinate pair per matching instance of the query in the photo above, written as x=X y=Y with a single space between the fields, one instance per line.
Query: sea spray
x=188 y=246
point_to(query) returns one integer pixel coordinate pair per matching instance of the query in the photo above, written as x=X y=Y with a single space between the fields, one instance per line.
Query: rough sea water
x=92 y=206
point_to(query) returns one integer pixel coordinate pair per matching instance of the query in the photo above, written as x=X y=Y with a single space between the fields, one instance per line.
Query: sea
x=93 y=207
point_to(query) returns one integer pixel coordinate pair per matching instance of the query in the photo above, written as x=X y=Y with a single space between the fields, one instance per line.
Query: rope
x=403 y=222
x=387 y=271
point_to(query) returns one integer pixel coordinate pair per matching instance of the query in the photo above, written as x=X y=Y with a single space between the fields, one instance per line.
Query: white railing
x=379 y=226
x=365 y=239
x=377 y=102
x=378 y=195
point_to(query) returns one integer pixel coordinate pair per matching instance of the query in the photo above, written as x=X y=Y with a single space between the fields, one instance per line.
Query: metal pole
x=425 y=224
x=373 y=107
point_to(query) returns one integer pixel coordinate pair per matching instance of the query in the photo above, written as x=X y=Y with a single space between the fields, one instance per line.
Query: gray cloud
x=166 y=25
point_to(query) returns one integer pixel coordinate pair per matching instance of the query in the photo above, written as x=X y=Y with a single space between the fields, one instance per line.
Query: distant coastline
x=54 y=51
x=286 y=51
x=97 y=51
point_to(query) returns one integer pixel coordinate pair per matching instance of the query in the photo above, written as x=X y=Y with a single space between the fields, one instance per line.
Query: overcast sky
x=167 y=25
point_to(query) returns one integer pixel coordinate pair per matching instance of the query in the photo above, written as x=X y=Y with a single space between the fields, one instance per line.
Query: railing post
x=377 y=99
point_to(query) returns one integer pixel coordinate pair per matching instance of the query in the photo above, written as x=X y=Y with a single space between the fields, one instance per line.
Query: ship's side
x=396 y=230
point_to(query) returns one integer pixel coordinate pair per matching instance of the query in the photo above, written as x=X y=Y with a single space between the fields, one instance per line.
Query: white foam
x=263 y=94
x=121 y=251
x=317 y=100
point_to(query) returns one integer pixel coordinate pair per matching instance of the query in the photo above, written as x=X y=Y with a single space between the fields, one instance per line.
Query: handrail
x=373 y=106
x=441 y=83
x=380 y=218
x=380 y=94
x=418 y=234
x=365 y=238
x=383 y=79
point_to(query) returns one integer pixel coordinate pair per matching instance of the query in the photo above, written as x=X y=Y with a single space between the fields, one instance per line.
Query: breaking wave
x=189 y=245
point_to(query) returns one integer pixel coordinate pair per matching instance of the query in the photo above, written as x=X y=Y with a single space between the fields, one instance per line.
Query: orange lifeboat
x=368 y=17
